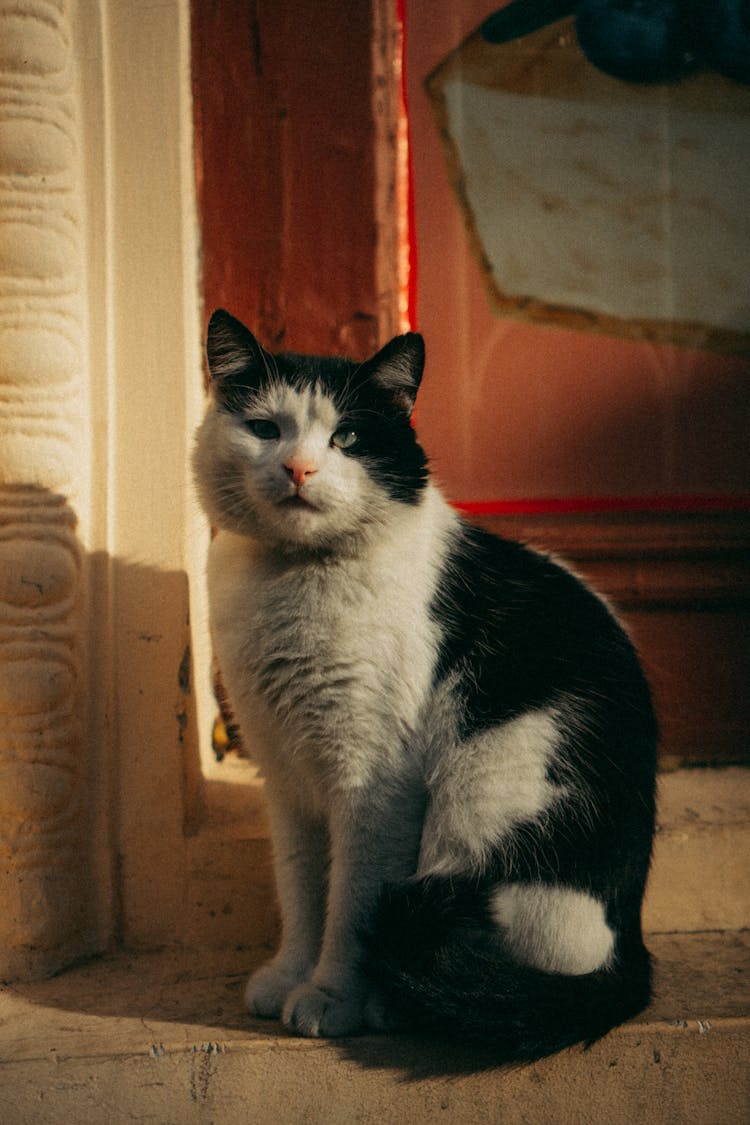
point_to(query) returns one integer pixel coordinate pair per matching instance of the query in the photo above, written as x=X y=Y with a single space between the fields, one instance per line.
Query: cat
x=457 y=740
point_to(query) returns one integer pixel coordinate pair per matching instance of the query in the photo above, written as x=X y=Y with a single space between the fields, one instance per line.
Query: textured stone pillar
x=45 y=881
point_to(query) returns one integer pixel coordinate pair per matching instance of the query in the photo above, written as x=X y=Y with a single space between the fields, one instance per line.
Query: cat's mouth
x=298 y=503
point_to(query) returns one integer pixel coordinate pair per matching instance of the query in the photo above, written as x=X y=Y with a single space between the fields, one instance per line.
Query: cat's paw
x=315 y=1013
x=268 y=988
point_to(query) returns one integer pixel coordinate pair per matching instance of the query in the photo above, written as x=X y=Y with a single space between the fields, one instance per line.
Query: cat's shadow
x=169 y=1000
x=414 y=1057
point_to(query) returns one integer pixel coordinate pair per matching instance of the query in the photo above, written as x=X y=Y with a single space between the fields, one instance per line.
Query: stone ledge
x=700 y=877
x=703 y=828
x=163 y=1038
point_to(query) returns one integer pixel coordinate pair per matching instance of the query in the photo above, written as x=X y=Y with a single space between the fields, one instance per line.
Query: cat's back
x=530 y=616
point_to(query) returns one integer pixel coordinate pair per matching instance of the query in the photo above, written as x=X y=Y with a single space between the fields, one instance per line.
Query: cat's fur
x=457 y=741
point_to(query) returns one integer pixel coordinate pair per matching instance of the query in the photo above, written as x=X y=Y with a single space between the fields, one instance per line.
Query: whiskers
x=270 y=366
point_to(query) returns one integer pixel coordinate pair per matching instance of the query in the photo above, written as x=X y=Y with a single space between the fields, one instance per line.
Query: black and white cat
x=457 y=741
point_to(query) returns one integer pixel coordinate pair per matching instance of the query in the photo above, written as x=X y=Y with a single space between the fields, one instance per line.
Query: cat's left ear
x=397 y=369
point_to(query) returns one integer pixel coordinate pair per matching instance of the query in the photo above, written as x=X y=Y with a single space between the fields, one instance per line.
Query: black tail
x=441 y=965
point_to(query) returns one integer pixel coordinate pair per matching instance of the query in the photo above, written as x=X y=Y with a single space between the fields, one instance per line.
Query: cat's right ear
x=397 y=369
x=236 y=361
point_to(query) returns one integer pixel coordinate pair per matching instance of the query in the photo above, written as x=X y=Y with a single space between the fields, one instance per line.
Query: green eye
x=264 y=429
x=344 y=439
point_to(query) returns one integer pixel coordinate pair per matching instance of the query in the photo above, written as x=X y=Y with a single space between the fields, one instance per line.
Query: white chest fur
x=331 y=660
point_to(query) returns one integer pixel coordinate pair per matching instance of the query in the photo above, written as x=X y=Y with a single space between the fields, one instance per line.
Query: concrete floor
x=162 y=1037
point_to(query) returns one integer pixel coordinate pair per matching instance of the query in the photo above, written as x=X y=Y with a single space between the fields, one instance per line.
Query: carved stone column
x=45 y=879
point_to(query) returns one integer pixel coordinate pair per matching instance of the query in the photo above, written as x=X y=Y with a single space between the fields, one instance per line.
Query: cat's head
x=305 y=452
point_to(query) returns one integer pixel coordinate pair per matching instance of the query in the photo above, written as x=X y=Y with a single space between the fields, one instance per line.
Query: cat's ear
x=397 y=369
x=235 y=358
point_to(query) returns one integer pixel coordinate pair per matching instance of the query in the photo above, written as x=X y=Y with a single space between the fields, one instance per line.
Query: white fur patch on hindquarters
x=555 y=929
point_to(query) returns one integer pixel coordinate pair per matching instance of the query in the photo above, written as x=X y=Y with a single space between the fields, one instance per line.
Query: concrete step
x=703 y=829
x=700 y=876
x=163 y=1038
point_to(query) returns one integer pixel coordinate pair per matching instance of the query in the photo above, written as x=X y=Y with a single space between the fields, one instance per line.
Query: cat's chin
x=300 y=517
x=295 y=521
x=301 y=526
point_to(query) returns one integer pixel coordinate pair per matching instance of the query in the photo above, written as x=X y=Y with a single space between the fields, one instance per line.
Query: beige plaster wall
x=46 y=914
x=100 y=389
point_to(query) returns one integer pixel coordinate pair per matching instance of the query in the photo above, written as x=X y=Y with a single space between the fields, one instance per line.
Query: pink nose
x=299 y=471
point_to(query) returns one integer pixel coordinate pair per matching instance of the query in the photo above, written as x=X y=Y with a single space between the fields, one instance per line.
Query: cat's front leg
x=300 y=865
x=373 y=842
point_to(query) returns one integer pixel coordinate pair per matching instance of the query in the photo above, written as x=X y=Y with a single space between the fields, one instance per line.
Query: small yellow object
x=219 y=737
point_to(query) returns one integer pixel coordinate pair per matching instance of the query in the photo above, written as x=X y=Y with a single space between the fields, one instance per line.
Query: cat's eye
x=343 y=438
x=264 y=429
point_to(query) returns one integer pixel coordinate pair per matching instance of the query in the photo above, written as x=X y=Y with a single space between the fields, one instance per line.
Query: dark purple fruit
x=522 y=17
x=638 y=40
x=723 y=36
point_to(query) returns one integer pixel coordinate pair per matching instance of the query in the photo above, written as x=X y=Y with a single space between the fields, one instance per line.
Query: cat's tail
x=441 y=965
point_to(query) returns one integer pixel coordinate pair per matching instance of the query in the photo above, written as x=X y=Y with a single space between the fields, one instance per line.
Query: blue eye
x=264 y=429
x=344 y=439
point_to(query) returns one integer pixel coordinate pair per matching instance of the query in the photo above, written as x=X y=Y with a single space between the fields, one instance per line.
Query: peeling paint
x=183 y=674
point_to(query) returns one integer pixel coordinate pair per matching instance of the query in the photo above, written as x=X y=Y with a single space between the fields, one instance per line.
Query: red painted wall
x=285 y=166
x=512 y=411
x=285 y=142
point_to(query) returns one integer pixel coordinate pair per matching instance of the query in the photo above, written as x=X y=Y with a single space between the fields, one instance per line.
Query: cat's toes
x=315 y=1013
x=268 y=988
